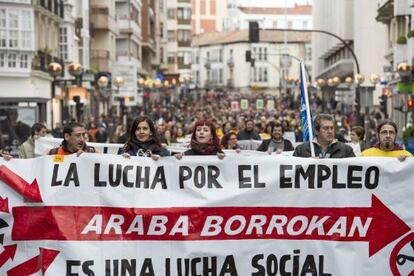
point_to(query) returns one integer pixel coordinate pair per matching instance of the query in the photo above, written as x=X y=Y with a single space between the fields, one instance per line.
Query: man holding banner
x=325 y=145
x=73 y=141
x=386 y=146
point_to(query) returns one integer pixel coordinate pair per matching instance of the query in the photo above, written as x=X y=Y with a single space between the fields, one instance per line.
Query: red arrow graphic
x=8 y=253
x=381 y=225
x=29 y=192
x=4 y=205
x=42 y=261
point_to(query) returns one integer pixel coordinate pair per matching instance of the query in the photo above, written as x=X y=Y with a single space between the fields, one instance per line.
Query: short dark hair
x=359 y=130
x=321 y=117
x=36 y=127
x=70 y=127
x=387 y=122
x=278 y=125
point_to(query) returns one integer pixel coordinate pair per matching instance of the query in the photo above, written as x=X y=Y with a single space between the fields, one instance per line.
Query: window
x=259 y=74
x=184 y=13
x=171 y=36
x=184 y=35
x=63 y=43
x=3 y=18
x=161 y=29
x=13 y=38
x=161 y=55
x=16 y=29
x=12 y=60
x=2 y=59
x=304 y=24
x=220 y=75
x=171 y=58
x=171 y=13
x=290 y=25
x=24 y=61
x=3 y=39
x=275 y=24
x=26 y=39
x=264 y=53
x=180 y=60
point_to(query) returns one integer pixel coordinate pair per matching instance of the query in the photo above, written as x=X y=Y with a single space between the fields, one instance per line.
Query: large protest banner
x=245 y=215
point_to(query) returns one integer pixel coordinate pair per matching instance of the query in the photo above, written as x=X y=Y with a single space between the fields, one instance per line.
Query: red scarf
x=205 y=148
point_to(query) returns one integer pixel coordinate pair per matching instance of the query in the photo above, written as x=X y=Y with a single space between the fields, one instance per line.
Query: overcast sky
x=272 y=3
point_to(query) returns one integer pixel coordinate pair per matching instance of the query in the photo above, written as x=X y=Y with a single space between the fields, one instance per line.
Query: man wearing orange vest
x=73 y=141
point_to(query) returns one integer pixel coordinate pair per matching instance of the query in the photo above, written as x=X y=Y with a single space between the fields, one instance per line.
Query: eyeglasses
x=389 y=132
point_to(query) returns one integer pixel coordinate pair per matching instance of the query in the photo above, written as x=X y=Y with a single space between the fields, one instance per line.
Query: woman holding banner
x=204 y=141
x=143 y=140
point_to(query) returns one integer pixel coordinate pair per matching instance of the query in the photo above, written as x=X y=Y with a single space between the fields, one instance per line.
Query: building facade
x=354 y=22
x=290 y=17
x=28 y=43
x=179 y=37
x=396 y=17
x=208 y=15
x=217 y=61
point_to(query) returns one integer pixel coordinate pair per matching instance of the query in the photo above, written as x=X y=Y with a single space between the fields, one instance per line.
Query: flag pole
x=308 y=114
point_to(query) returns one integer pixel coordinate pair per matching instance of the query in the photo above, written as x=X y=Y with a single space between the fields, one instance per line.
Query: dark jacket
x=248 y=135
x=335 y=150
x=64 y=150
x=192 y=152
x=264 y=146
x=136 y=148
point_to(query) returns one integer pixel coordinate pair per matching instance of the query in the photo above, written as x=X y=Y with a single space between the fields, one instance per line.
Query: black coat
x=335 y=150
x=264 y=146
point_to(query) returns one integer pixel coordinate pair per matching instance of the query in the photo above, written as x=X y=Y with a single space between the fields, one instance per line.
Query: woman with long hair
x=143 y=140
x=204 y=141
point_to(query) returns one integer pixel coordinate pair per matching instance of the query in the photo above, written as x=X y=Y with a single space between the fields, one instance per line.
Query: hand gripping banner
x=102 y=214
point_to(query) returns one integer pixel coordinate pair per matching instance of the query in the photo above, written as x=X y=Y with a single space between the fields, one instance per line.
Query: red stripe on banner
x=376 y=224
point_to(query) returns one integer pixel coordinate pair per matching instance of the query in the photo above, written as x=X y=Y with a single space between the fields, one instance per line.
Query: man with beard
x=276 y=143
x=248 y=133
x=73 y=141
x=325 y=144
x=386 y=146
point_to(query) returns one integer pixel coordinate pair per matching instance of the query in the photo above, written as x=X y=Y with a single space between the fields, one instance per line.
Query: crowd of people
x=212 y=124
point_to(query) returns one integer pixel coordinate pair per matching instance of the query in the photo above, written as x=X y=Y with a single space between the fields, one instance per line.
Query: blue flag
x=304 y=106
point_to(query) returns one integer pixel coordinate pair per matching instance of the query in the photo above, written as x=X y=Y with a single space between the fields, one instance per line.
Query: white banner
x=44 y=144
x=245 y=215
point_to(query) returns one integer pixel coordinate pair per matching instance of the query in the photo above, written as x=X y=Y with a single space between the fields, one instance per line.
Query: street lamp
x=103 y=83
x=55 y=70
x=118 y=83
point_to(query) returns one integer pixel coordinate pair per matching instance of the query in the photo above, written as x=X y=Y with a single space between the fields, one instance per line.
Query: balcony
x=181 y=21
x=385 y=12
x=184 y=66
x=42 y=60
x=56 y=6
x=102 y=20
x=184 y=43
x=184 y=1
x=100 y=59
